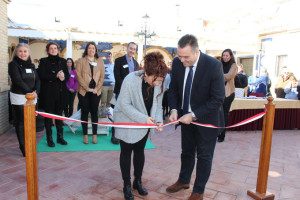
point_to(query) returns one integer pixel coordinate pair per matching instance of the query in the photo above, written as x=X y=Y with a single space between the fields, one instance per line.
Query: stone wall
x=4 y=125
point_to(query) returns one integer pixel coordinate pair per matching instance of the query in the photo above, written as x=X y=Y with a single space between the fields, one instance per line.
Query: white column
x=140 y=52
x=69 y=46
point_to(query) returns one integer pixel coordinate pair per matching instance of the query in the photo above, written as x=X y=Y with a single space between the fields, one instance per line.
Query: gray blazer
x=130 y=108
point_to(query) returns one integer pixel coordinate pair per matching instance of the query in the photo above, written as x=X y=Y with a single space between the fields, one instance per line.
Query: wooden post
x=30 y=148
x=265 y=153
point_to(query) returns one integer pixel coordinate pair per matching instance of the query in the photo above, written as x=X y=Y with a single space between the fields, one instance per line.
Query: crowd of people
x=194 y=87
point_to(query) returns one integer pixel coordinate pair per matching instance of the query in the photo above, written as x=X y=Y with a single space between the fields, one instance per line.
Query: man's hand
x=186 y=119
x=174 y=116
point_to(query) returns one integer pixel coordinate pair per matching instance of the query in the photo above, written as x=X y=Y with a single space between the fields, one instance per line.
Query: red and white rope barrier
x=136 y=125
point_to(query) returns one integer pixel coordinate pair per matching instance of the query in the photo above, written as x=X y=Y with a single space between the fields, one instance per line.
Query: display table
x=287 y=113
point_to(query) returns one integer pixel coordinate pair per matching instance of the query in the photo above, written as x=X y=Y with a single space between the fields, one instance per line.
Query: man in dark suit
x=123 y=66
x=196 y=93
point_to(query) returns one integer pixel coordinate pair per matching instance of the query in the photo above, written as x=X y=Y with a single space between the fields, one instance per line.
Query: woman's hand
x=91 y=90
x=34 y=94
x=60 y=75
x=94 y=91
x=159 y=128
x=150 y=120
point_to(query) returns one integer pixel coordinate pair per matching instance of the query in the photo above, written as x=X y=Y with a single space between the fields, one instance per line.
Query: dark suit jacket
x=120 y=72
x=207 y=94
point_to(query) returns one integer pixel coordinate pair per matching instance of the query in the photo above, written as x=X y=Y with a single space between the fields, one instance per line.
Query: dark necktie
x=187 y=91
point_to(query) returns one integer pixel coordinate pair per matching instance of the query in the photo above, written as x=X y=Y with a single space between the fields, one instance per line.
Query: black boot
x=127 y=192
x=50 y=141
x=60 y=139
x=137 y=185
x=114 y=140
x=48 y=123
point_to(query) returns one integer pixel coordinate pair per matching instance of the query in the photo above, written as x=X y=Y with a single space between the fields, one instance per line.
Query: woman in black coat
x=53 y=73
x=24 y=79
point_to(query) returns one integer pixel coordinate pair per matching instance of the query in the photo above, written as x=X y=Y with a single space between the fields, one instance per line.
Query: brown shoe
x=95 y=139
x=85 y=139
x=196 y=196
x=177 y=186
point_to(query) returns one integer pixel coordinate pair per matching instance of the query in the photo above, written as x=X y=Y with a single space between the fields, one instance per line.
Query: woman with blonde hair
x=24 y=79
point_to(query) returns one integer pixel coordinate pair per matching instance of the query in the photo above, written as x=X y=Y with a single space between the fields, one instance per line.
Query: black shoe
x=50 y=142
x=128 y=193
x=61 y=141
x=220 y=139
x=113 y=139
x=137 y=185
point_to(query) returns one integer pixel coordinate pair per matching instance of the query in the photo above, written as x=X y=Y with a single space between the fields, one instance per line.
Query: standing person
x=24 y=79
x=230 y=70
x=196 y=93
x=140 y=101
x=72 y=85
x=90 y=73
x=165 y=103
x=125 y=65
x=109 y=82
x=54 y=74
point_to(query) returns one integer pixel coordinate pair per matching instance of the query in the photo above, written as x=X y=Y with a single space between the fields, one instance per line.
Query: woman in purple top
x=72 y=87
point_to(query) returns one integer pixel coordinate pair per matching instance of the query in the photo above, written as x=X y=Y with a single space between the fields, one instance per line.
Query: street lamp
x=145 y=32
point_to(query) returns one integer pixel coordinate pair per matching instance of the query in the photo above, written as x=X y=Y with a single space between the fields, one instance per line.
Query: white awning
x=38 y=34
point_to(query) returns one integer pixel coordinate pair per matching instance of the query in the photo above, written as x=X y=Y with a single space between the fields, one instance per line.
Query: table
x=287 y=113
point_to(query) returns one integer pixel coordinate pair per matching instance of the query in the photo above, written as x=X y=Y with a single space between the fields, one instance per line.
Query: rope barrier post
x=30 y=148
x=265 y=152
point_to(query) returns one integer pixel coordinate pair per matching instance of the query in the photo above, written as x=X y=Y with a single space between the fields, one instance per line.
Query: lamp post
x=145 y=33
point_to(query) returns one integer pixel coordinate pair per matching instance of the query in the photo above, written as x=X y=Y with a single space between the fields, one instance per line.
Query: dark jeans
x=193 y=144
x=89 y=104
x=226 y=107
x=69 y=109
x=138 y=158
x=19 y=125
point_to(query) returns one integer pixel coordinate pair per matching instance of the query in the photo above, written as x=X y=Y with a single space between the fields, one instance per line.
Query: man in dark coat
x=123 y=66
x=196 y=93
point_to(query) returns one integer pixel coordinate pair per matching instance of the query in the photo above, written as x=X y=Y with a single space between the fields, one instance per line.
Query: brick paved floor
x=96 y=175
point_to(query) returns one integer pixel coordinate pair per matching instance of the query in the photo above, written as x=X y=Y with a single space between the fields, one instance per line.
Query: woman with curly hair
x=140 y=101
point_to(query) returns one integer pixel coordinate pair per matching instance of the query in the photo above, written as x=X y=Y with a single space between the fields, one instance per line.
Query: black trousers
x=226 y=107
x=138 y=158
x=18 y=111
x=89 y=104
x=165 y=104
x=54 y=107
x=193 y=144
x=69 y=109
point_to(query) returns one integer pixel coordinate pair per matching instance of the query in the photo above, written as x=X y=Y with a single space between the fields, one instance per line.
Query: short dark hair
x=189 y=39
x=72 y=62
x=131 y=43
x=51 y=43
x=86 y=50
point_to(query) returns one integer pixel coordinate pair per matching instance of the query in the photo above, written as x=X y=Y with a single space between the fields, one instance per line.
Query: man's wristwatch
x=194 y=116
